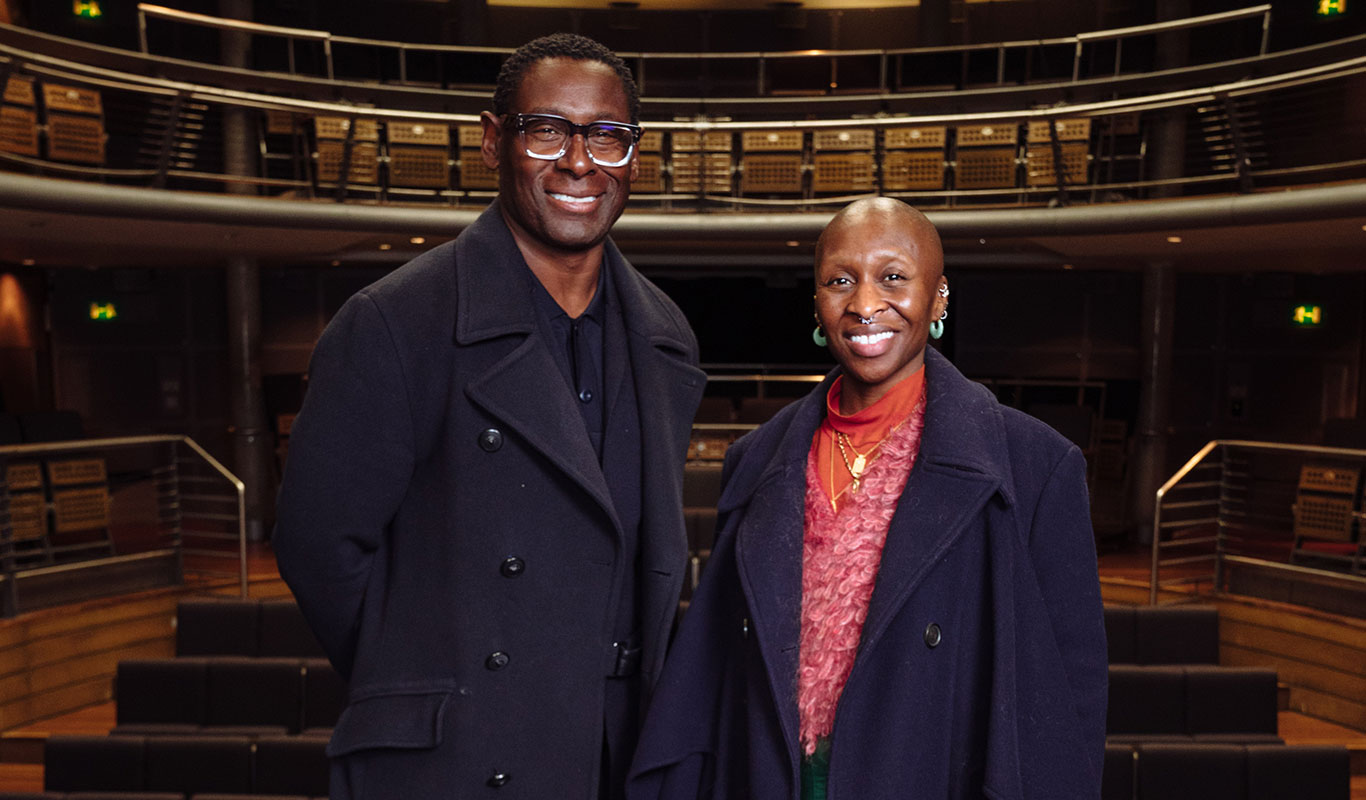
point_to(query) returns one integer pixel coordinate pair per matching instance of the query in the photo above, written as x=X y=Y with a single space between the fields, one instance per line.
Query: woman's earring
x=937 y=327
x=818 y=336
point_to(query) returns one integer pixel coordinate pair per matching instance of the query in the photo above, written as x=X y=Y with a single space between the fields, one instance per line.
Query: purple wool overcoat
x=982 y=668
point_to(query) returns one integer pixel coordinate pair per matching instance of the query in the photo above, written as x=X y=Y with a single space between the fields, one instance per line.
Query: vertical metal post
x=403 y=63
x=168 y=140
x=882 y=71
x=142 y=31
x=1119 y=48
x=252 y=451
x=1242 y=166
x=1266 y=30
x=1076 y=62
x=1000 y=65
x=327 y=56
x=1159 y=311
x=1059 y=168
x=289 y=48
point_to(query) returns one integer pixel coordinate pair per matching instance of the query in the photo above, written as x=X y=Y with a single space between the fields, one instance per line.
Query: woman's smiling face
x=878 y=271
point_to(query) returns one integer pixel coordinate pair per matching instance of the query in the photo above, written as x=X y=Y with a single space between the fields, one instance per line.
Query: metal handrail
x=884 y=55
x=132 y=441
x=1185 y=97
x=1198 y=461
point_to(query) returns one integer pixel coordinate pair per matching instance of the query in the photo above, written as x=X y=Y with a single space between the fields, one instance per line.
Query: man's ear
x=490 y=148
x=635 y=163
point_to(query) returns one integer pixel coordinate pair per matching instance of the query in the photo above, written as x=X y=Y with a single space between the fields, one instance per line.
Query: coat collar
x=489 y=267
x=963 y=431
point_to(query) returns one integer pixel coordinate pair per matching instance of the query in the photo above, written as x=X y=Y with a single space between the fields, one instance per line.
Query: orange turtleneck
x=865 y=430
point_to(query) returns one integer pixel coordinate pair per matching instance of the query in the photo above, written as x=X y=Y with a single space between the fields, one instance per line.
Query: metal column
x=1154 y=409
x=252 y=447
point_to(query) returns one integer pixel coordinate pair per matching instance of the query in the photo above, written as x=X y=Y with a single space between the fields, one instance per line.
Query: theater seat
x=256 y=696
x=291 y=765
x=1146 y=701
x=165 y=695
x=1191 y=772
x=285 y=633
x=93 y=763
x=193 y=764
x=1117 y=776
x=1119 y=634
x=1232 y=704
x=217 y=627
x=1301 y=772
x=1176 y=635
x=324 y=696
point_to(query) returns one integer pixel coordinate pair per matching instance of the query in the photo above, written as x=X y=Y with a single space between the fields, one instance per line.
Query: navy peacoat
x=982 y=668
x=447 y=530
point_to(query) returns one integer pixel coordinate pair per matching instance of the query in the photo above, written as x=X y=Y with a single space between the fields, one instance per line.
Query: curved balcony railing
x=92 y=517
x=1085 y=55
x=72 y=119
x=1246 y=508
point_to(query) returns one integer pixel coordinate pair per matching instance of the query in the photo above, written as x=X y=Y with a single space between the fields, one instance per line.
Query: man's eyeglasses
x=547 y=137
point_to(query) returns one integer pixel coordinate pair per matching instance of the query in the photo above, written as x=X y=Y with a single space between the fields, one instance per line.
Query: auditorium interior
x=1154 y=224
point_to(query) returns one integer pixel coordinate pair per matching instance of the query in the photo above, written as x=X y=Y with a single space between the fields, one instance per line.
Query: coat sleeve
x=1063 y=551
x=685 y=748
x=350 y=462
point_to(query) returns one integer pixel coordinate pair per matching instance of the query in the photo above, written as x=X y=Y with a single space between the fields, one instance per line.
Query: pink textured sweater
x=840 y=555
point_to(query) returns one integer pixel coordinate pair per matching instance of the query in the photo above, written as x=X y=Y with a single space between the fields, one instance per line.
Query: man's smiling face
x=570 y=203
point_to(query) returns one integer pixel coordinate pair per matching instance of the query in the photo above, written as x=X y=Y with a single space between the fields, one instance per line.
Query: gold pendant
x=860 y=462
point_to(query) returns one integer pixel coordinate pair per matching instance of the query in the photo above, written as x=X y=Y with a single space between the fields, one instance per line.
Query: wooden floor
x=18 y=775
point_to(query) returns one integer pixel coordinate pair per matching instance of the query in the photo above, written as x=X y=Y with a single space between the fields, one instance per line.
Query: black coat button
x=933 y=636
x=490 y=439
x=498 y=779
x=512 y=567
x=496 y=661
x=586 y=396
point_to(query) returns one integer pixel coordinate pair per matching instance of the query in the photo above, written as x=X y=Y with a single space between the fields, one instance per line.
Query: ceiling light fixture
x=385 y=246
x=1174 y=239
x=417 y=240
x=28 y=262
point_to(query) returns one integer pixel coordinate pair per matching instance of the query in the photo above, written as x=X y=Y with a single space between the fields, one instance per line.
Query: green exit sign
x=87 y=9
x=1332 y=8
x=103 y=312
x=1307 y=316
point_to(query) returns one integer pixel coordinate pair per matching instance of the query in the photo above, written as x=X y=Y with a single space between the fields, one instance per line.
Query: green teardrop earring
x=936 y=329
x=818 y=337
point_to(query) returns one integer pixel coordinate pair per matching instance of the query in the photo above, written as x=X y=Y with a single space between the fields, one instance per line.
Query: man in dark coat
x=481 y=515
x=982 y=668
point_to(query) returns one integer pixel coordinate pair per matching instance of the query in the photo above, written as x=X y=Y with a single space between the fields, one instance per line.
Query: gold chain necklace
x=861 y=460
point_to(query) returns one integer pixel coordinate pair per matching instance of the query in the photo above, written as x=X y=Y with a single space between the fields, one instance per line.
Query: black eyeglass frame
x=519 y=123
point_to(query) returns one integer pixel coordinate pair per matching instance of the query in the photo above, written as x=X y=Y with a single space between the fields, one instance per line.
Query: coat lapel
x=768 y=552
x=523 y=389
x=956 y=473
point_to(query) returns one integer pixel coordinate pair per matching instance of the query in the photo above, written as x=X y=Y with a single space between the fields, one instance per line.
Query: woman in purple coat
x=902 y=601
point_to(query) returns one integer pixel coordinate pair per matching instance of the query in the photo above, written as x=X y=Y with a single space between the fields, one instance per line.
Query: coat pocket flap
x=407 y=721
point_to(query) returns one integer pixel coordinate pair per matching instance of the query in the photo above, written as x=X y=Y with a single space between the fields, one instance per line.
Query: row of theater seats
x=1159 y=771
x=1171 y=725
x=1192 y=703
x=249 y=628
x=174 y=767
x=228 y=695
